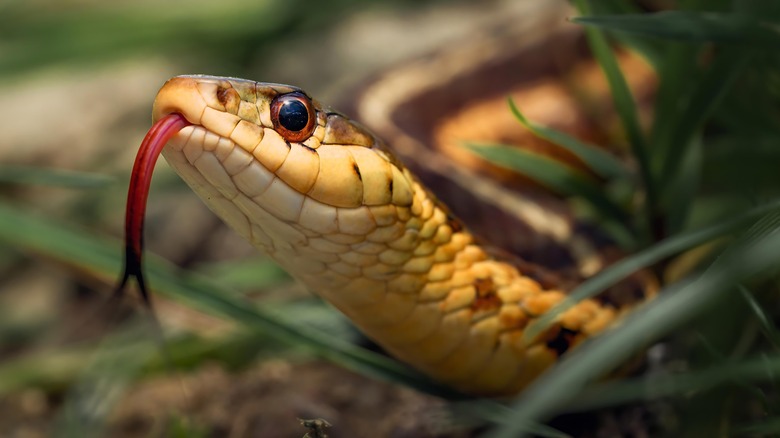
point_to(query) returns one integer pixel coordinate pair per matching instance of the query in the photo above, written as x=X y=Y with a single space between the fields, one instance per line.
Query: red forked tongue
x=137 y=194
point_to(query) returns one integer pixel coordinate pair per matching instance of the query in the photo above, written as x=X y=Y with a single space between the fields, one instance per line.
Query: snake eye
x=293 y=116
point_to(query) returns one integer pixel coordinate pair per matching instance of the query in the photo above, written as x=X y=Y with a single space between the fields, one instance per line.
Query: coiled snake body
x=332 y=205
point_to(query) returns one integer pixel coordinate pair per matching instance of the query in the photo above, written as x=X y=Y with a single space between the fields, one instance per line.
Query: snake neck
x=411 y=277
x=361 y=231
x=416 y=282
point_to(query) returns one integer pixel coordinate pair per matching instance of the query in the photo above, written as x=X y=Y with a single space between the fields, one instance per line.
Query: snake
x=333 y=205
x=329 y=202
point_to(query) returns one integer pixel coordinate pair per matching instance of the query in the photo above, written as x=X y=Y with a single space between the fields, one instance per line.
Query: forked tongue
x=137 y=194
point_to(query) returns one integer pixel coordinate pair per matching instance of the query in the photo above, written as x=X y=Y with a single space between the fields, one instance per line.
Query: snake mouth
x=187 y=144
x=138 y=192
x=220 y=136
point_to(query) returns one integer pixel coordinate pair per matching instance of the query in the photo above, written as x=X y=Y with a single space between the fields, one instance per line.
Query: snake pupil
x=293 y=115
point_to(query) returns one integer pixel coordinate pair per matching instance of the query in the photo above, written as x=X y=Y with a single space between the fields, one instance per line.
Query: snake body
x=327 y=200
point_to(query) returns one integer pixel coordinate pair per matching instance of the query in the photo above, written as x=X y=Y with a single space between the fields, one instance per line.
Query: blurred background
x=77 y=79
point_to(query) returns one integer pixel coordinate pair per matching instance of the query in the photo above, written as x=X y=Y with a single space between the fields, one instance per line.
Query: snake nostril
x=229 y=98
x=222 y=95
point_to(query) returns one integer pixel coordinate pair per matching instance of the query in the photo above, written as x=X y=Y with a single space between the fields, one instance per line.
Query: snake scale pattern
x=327 y=200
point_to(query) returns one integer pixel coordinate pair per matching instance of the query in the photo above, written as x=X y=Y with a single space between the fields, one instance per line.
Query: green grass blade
x=102 y=258
x=704 y=98
x=184 y=427
x=103 y=382
x=633 y=390
x=694 y=27
x=660 y=251
x=601 y=162
x=219 y=37
x=686 y=186
x=768 y=427
x=35 y=37
x=26 y=175
x=649 y=49
x=755 y=253
x=54 y=370
x=253 y=273
x=767 y=326
x=679 y=74
x=49 y=370
x=743 y=164
x=494 y=412
x=554 y=175
x=626 y=108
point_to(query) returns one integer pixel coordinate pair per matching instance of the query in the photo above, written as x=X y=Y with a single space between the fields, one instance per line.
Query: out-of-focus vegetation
x=718 y=97
x=706 y=169
x=76 y=81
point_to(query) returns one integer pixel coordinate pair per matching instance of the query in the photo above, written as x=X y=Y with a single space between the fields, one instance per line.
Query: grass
x=716 y=115
x=712 y=67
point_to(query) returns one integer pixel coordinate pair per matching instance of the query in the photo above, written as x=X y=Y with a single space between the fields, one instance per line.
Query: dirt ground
x=264 y=400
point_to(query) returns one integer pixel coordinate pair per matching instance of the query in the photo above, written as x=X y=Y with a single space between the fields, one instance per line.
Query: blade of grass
x=767 y=427
x=755 y=253
x=754 y=109
x=253 y=273
x=601 y=162
x=319 y=315
x=686 y=98
x=26 y=175
x=626 y=108
x=496 y=413
x=643 y=259
x=743 y=164
x=694 y=27
x=767 y=326
x=180 y=426
x=199 y=293
x=103 y=382
x=686 y=185
x=554 y=175
x=704 y=98
x=37 y=38
x=218 y=36
x=599 y=396
x=49 y=370
x=477 y=413
x=54 y=370
x=102 y=258
x=679 y=73
x=649 y=49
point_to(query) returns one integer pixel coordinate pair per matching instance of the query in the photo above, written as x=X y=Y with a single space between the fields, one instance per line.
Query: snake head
x=318 y=153
x=281 y=169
